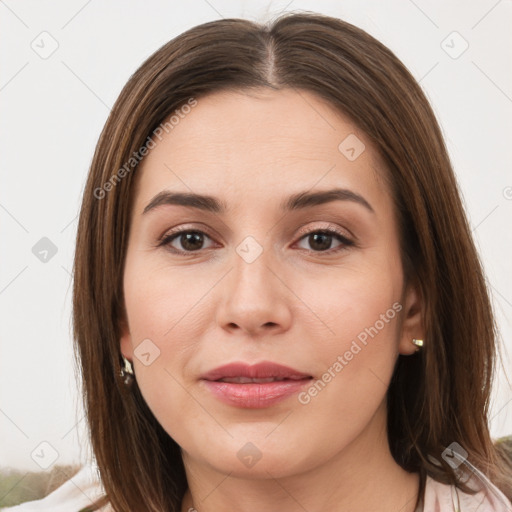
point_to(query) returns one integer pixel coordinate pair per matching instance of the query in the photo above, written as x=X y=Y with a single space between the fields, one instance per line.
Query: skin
x=295 y=305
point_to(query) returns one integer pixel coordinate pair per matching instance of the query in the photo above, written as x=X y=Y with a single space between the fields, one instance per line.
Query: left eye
x=322 y=239
x=193 y=240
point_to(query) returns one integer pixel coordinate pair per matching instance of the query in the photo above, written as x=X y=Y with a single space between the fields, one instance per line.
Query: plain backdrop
x=54 y=105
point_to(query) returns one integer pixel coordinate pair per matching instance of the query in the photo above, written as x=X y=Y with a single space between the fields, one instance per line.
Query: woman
x=277 y=300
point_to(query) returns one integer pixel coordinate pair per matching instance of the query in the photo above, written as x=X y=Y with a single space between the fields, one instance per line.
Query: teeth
x=247 y=380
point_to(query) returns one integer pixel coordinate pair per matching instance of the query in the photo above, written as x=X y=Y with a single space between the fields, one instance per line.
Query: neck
x=363 y=476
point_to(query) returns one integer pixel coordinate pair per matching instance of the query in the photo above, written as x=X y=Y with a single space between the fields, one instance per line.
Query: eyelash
x=167 y=239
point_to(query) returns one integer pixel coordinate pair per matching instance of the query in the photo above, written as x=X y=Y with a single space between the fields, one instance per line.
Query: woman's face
x=252 y=280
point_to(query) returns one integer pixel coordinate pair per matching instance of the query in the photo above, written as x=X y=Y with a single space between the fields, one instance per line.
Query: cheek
x=167 y=320
x=346 y=301
x=357 y=345
x=160 y=300
x=355 y=365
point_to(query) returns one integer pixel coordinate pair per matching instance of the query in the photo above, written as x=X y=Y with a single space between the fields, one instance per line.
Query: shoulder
x=441 y=497
x=78 y=492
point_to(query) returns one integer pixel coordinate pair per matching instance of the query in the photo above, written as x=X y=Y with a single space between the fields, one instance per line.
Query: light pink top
x=80 y=490
x=448 y=498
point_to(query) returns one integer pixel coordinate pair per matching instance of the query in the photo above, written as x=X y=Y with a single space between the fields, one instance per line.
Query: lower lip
x=255 y=395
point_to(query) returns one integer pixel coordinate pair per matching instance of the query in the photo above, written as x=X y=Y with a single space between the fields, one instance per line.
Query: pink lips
x=255 y=387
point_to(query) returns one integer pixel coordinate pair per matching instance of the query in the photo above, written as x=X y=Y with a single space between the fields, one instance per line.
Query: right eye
x=190 y=241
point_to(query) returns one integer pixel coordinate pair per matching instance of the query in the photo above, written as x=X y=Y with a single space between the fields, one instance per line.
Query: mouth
x=249 y=380
x=254 y=373
x=254 y=387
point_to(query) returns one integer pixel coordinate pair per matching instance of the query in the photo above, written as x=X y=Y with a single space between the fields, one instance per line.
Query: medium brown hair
x=437 y=396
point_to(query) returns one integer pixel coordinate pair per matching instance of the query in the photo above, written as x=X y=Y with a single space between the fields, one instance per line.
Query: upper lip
x=261 y=370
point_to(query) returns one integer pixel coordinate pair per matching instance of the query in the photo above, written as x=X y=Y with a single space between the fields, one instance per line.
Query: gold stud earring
x=126 y=373
x=418 y=343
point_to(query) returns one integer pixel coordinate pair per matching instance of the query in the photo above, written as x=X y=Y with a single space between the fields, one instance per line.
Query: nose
x=254 y=297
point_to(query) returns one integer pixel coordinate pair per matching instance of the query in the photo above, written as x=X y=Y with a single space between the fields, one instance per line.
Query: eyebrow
x=298 y=201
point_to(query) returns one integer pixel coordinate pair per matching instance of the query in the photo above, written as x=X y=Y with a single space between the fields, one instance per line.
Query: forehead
x=256 y=144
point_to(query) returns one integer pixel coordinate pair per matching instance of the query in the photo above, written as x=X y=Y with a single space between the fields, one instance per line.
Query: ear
x=412 y=320
x=126 y=338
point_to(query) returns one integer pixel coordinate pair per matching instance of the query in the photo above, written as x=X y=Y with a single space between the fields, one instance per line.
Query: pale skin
x=295 y=304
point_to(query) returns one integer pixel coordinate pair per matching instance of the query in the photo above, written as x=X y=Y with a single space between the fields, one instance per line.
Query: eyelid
x=348 y=240
x=328 y=227
x=183 y=228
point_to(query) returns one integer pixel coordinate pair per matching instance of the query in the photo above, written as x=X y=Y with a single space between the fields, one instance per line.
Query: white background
x=52 y=111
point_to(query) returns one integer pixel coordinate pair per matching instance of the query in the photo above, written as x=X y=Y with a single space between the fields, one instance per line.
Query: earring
x=126 y=373
x=418 y=343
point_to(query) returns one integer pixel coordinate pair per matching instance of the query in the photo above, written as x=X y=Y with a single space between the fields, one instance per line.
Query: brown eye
x=321 y=240
x=190 y=241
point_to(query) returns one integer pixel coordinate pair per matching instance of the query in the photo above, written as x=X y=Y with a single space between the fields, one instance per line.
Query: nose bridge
x=252 y=262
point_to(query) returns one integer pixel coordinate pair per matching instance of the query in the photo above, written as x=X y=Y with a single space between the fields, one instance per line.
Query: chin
x=257 y=460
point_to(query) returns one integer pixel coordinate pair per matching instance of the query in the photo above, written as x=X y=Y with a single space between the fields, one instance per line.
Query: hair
x=436 y=396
